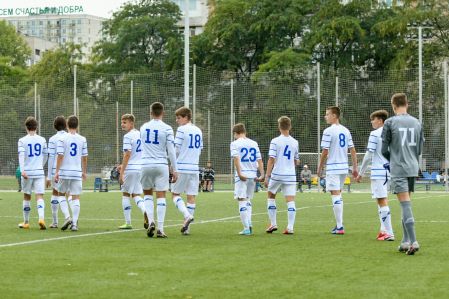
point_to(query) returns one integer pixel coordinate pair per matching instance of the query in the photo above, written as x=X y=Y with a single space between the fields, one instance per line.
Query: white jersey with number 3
x=285 y=151
x=188 y=143
x=72 y=147
x=247 y=150
x=337 y=139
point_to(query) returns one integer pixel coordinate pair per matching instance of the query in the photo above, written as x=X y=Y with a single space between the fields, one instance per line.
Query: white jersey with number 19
x=188 y=143
x=285 y=149
x=337 y=139
x=34 y=149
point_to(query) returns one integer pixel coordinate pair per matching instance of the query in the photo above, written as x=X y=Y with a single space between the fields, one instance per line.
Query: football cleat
x=251 y=229
x=24 y=225
x=74 y=228
x=53 y=225
x=388 y=237
x=338 y=231
x=380 y=236
x=187 y=232
x=42 y=225
x=150 y=230
x=404 y=247
x=126 y=226
x=271 y=229
x=413 y=248
x=66 y=224
x=186 y=224
x=245 y=232
x=288 y=231
x=160 y=234
x=145 y=220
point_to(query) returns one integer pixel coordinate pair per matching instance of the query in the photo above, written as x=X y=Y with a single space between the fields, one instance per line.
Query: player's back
x=337 y=139
x=73 y=146
x=285 y=150
x=52 y=144
x=189 y=143
x=405 y=144
x=133 y=143
x=378 y=160
x=34 y=148
x=155 y=136
x=247 y=150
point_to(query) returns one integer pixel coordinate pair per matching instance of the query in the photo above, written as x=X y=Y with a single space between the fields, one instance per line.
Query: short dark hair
x=72 y=122
x=381 y=114
x=239 y=128
x=156 y=109
x=335 y=110
x=129 y=117
x=399 y=100
x=31 y=123
x=285 y=123
x=184 y=112
x=60 y=123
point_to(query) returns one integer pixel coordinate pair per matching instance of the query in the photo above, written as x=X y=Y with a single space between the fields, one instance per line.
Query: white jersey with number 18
x=188 y=143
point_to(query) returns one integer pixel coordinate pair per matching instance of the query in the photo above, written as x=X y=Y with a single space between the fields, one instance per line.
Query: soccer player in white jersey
x=188 y=143
x=60 y=125
x=157 y=145
x=32 y=157
x=379 y=175
x=281 y=173
x=71 y=170
x=130 y=171
x=247 y=160
x=335 y=143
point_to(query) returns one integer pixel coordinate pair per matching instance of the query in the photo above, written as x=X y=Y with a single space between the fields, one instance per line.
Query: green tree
x=140 y=37
x=13 y=46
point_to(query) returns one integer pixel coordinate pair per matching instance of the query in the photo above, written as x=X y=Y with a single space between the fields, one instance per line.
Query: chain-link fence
x=220 y=99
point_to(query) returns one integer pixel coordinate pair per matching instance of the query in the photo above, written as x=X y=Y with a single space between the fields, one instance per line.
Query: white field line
x=174 y=225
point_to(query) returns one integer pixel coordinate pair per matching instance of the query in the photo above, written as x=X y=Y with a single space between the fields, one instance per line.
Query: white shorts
x=74 y=187
x=53 y=184
x=244 y=189
x=378 y=189
x=287 y=189
x=131 y=183
x=335 y=182
x=155 y=178
x=36 y=184
x=187 y=183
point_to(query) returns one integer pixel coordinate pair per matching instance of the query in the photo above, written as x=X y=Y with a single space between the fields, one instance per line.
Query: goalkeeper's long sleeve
x=366 y=160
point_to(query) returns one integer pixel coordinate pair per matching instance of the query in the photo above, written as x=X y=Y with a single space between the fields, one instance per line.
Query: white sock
x=140 y=203
x=54 y=208
x=149 y=207
x=70 y=201
x=181 y=206
x=386 y=219
x=243 y=210
x=41 y=208
x=249 y=210
x=272 y=211
x=75 y=210
x=26 y=211
x=161 y=209
x=382 y=226
x=64 y=206
x=291 y=214
x=126 y=205
x=191 y=208
x=337 y=202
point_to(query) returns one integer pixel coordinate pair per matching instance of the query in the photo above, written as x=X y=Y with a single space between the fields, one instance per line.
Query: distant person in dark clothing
x=209 y=177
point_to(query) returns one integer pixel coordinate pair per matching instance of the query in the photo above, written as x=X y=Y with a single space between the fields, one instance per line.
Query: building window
x=78 y=31
x=79 y=21
x=80 y=40
x=64 y=21
x=37 y=52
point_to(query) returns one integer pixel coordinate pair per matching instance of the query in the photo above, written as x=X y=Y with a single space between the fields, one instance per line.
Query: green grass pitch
x=99 y=261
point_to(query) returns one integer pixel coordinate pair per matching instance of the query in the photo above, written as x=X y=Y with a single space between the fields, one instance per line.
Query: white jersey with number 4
x=188 y=143
x=34 y=150
x=247 y=150
x=337 y=139
x=157 y=139
x=72 y=147
x=285 y=151
x=133 y=144
x=378 y=172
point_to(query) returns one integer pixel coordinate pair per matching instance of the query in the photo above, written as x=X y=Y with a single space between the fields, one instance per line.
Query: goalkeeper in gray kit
x=402 y=143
